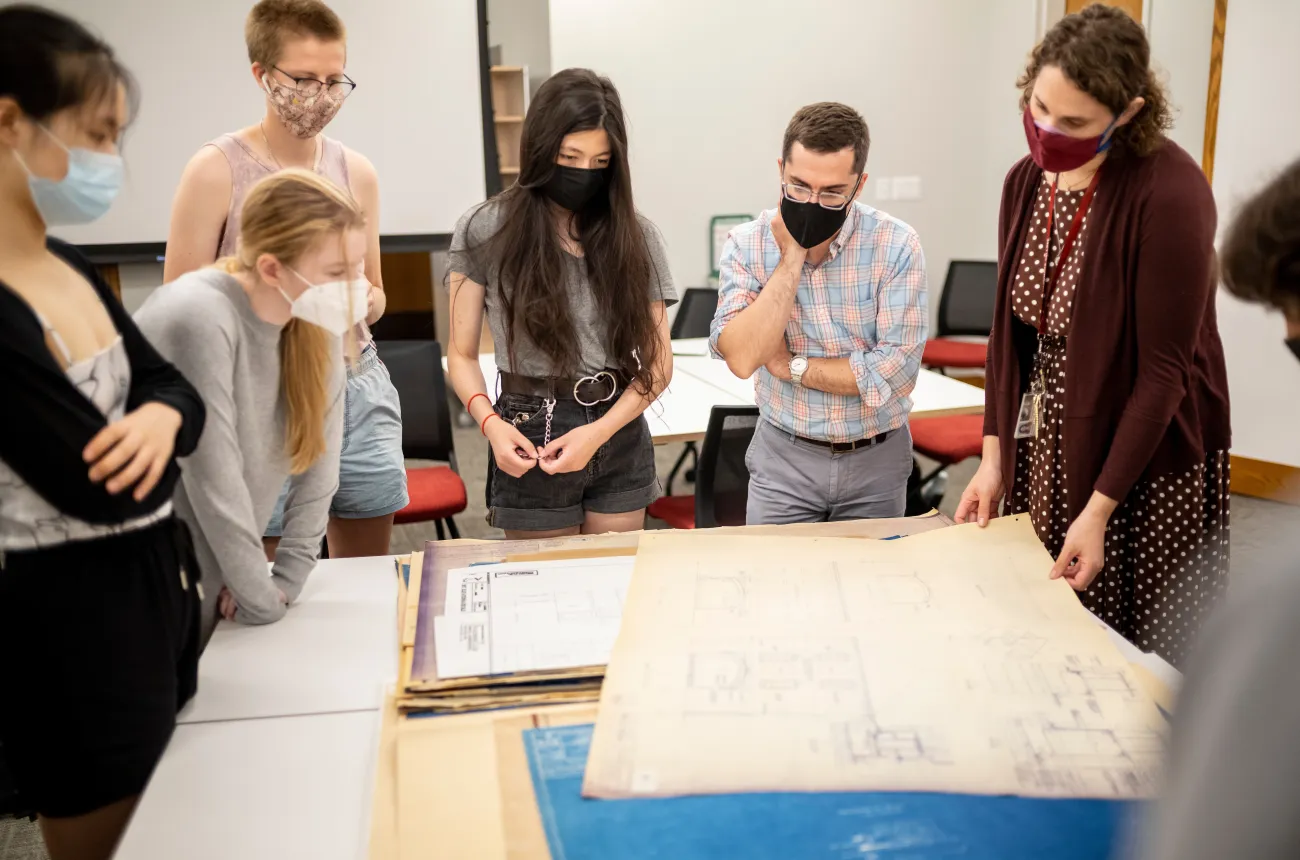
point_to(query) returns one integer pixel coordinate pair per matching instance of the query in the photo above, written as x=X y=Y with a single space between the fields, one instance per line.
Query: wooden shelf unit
x=509 y=105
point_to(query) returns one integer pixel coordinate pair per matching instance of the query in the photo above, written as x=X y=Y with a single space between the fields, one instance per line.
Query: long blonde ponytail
x=284 y=215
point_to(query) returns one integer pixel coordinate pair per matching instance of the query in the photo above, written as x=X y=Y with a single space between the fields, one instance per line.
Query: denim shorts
x=372 y=472
x=619 y=479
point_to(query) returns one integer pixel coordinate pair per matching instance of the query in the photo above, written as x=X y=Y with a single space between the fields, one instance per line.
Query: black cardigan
x=48 y=422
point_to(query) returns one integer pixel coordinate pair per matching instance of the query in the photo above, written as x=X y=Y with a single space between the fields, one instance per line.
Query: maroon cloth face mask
x=1056 y=152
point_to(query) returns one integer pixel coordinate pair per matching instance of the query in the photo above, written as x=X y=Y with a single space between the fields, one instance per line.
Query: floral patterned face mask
x=305 y=116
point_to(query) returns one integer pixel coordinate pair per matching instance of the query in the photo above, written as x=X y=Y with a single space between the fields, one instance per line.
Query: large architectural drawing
x=944 y=662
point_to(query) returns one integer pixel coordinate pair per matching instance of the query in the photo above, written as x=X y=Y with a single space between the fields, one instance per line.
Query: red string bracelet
x=482 y=427
x=469 y=407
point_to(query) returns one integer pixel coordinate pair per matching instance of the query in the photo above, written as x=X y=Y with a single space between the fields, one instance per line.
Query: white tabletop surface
x=934 y=395
x=273 y=789
x=333 y=651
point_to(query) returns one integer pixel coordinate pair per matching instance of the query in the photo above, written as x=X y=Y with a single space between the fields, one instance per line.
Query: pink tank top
x=246 y=169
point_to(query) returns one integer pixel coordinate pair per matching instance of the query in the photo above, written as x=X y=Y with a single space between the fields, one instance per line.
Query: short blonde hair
x=271 y=22
x=285 y=215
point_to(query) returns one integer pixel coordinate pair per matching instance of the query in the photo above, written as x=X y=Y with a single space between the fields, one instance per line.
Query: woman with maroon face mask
x=1106 y=416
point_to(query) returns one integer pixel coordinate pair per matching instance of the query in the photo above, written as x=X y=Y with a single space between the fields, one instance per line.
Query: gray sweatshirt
x=205 y=325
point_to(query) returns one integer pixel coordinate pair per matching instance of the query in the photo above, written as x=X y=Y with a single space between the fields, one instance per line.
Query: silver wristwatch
x=798 y=367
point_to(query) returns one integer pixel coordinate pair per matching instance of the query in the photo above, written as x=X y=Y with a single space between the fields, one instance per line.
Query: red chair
x=437 y=492
x=965 y=310
x=722 y=488
x=947 y=441
x=941 y=353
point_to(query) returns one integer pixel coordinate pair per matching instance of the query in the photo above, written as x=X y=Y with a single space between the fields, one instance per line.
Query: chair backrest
x=969 y=294
x=695 y=313
x=405 y=325
x=416 y=369
x=722 y=478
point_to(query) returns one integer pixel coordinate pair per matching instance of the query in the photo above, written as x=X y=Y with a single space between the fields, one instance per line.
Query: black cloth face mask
x=811 y=223
x=575 y=187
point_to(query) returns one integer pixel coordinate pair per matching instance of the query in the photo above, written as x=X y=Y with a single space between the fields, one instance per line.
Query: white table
x=256 y=785
x=934 y=395
x=333 y=651
x=273 y=789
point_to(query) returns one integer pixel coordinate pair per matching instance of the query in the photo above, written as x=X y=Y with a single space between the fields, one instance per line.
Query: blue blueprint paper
x=829 y=826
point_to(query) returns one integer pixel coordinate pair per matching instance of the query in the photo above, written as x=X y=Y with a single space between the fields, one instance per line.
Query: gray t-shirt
x=204 y=324
x=466 y=259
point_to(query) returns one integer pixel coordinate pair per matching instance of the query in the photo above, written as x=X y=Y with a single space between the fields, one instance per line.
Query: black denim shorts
x=620 y=477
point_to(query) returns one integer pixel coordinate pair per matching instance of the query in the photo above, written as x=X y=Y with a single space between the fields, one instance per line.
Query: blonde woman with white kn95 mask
x=259 y=334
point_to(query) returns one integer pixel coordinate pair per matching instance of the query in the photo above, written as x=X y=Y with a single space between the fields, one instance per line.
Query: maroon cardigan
x=1146 y=391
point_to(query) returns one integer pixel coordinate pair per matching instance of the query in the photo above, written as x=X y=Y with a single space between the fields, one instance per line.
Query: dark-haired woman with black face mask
x=575 y=285
x=98 y=588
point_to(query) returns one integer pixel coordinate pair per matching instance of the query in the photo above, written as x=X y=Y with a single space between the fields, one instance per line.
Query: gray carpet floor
x=1255 y=527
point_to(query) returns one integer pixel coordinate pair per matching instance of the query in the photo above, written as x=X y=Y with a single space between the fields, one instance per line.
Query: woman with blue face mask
x=262 y=335
x=99 y=594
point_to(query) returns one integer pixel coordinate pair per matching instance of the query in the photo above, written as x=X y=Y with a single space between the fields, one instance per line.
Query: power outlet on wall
x=907 y=188
x=885 y=189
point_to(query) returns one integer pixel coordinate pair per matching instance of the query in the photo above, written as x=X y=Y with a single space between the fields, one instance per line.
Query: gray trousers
x=791 y=481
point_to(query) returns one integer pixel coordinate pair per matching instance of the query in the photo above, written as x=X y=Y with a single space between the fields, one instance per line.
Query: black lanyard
x=1049 y=283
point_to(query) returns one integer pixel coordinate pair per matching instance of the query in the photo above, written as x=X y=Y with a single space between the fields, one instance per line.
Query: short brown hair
x=271 y=21
x=1105 y=53
x=829 y=127
x=1261 y=251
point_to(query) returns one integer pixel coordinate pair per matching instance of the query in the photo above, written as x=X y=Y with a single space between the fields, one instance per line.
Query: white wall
x=1180 y=32
x=709 y=87
x=417 y=111
x=1258 y=133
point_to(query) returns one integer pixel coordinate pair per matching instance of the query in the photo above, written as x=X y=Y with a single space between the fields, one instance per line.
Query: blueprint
x=944 y=662
x=814 y=826
x=531 y=617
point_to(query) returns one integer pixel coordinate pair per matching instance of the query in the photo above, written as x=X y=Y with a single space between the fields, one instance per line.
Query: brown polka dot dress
x=1167 y=542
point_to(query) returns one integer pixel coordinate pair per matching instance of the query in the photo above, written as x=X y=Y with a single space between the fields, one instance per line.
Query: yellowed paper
x=944 y=662
x=450 y=803
x=525 y=837
x=383 y=804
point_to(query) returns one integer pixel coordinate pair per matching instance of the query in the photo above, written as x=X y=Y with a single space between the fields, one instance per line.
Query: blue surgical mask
x=85 y=194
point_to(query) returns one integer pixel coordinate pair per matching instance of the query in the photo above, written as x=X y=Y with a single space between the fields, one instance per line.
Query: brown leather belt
x=588 y=391
x=845 y=447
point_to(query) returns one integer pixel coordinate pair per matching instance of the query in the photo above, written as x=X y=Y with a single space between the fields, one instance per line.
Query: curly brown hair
x=1105 y=53
x=1260 y=258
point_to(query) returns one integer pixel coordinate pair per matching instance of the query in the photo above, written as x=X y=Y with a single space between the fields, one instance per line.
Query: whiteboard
x=416 y=112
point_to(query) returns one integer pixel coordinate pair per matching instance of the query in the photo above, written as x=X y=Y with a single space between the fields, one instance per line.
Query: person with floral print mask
x=298 y=52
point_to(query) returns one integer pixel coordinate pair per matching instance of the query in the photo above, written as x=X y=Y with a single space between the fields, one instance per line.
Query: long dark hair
x=527 y=256
x=49 y=62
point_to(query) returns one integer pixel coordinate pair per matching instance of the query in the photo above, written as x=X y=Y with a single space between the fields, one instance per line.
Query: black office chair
x=437 y=492
x=722 y=492
x=695 y=313
x=965 y=309
x=405 y=325
x=694 y=319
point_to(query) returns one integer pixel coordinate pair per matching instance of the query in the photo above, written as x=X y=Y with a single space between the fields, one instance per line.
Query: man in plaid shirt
x=825 y=298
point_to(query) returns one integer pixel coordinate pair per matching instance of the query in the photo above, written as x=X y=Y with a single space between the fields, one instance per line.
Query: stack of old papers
x=508 y=624
x=822 y=698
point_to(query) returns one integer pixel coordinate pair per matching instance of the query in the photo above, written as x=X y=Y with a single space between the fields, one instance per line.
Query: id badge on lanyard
x=1030 y=418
